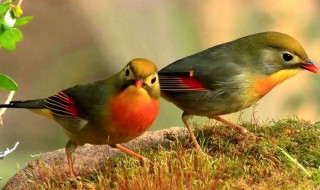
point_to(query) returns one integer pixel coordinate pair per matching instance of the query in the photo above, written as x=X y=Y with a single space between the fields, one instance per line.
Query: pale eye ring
x=287 y=57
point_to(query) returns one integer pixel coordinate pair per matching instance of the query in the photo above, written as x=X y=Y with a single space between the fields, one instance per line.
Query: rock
x=89 y=155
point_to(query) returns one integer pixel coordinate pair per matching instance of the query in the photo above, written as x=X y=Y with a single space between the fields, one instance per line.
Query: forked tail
x=28 y=104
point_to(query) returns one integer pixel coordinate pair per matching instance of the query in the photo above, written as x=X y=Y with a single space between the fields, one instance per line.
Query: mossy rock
x=229 y=160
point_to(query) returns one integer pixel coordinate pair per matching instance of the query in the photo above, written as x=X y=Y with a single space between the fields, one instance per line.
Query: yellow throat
x=263 y=85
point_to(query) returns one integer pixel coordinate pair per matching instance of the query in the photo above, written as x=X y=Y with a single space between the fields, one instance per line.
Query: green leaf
x=23 y=20
x=9 y=19
x=16 y=34
x=7 y=42
x=2 y=28
x=9 y=38
x=6 y=83
x=4 y=7
x=17 y=11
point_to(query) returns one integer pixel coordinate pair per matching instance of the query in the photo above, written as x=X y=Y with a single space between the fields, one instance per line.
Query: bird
x=111 y=111
x=232 y=76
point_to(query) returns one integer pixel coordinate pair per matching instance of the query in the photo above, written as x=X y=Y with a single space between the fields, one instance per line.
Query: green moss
x=231 y=161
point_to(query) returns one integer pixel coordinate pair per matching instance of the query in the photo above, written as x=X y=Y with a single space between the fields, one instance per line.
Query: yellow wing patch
x=44 y=112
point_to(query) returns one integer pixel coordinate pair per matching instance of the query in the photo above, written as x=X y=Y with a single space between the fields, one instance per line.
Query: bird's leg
x=70 y=148
x=131 y=153
x=242 y=130
x=185 y=117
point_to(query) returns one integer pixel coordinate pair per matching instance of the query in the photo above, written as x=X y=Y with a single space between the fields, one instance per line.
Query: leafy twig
x=10 y=19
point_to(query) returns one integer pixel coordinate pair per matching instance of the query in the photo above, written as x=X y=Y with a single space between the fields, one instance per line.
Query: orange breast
x=263 y=85
x=132 y=113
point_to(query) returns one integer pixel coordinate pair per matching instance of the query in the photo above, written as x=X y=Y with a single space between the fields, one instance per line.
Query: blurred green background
x=72 y=42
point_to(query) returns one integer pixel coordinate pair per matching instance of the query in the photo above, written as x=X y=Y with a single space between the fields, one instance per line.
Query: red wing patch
x=180 y=83
x=62 y=105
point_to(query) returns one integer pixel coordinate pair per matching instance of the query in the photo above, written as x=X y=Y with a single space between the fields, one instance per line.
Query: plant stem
x=20 y=2
x=6 y=102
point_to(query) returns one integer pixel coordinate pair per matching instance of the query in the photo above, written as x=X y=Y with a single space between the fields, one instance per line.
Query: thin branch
x=20 y=2
x=6 y=102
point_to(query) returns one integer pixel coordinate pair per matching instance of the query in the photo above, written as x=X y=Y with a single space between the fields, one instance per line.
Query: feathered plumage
x=111 y=111
x=232 y=76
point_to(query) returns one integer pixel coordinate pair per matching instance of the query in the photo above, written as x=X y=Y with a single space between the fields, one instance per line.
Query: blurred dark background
x=72 y=42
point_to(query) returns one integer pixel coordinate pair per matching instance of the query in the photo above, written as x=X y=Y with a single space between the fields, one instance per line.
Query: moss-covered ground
x=229 y=161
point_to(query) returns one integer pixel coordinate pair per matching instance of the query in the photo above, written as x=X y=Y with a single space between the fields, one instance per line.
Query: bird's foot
x=145 y=161
x=242 y=130
x=73 y=174
x=245 y=132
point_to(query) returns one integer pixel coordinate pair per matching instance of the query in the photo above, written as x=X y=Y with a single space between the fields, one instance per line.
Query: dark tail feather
x=28 y=104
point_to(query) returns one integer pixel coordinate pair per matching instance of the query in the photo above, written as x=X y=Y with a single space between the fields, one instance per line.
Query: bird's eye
x=287 y=57
x=153 y=80
x=127 y=72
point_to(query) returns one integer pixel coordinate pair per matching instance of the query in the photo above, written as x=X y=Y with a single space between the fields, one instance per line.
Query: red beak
x=139 y=83
x=310 y=65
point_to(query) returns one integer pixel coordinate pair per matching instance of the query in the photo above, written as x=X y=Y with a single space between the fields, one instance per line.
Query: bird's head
x=141 y=73
x=271 y=58
x=271 y=52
